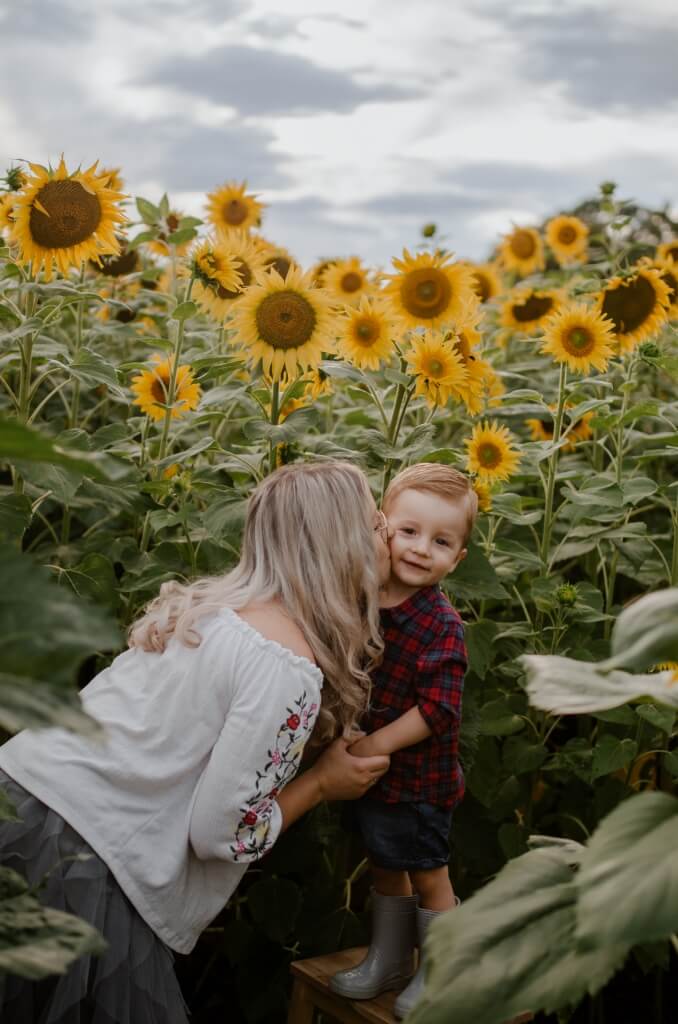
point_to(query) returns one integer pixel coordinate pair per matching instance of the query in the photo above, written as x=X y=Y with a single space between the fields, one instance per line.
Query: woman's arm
x=405 y=731
x=336 y=775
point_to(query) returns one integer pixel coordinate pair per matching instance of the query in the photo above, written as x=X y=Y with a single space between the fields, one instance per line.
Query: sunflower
x=318 y=385
x=366 y=333
x=151 y=388
x=527 y=309
x=231 y=208
x=429 y=289
x=579 y=431
x=486 y=280
x=567 y=237
x=491 y=453
x=63 y=219
x=223 y=270
x=668 y=251
x=668 y=271
x=438 y=367
x=495 y=388
x=167 y=226
x=347 y=281
x=274 y=257
x=7 y=200
x=125 y=262
x=484 y=496
x=284 y=322
x=636 y=305
x=522 y=250
x=465 y=338
x=580 y=337
x=110 y=176
x=318 y=270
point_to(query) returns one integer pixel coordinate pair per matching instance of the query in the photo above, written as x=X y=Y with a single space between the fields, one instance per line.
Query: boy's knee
x=426 y=881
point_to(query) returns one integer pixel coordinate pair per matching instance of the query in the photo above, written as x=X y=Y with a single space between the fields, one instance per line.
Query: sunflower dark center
x=523 y=244
x=118 y=266
x=481 y=286
x=160 y=388
x=73 y=215
x=489 y=455
x=579 y=341
x=435 y=368
x=285 y=320
x=567 y=235
x=426 y=293
x=351 y=282
x=672 y=253
x=245 y=276
x=172 y=222
x=366 y=332
x=281 y=264
x=630 y=304
x=532 y=309
x=234 y=212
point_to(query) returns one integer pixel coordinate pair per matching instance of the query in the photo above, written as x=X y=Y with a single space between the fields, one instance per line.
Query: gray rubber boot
x=409 y=996
x=390 y=958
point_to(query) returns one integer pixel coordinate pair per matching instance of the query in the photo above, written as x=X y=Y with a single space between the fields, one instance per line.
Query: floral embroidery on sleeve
x=252 y=838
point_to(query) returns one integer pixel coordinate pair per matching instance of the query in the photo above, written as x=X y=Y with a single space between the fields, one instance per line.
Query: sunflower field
x=155 y=366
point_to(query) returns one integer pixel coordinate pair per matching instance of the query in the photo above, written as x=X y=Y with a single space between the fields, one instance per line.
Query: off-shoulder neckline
x=284 y=653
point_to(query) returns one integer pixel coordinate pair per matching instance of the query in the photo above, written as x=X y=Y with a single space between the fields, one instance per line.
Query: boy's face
x=427 y=541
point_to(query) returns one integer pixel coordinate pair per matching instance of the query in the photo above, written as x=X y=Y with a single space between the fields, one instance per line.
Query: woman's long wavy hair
x=308 y=542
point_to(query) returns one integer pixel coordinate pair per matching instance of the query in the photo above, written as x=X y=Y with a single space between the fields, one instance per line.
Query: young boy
x=414 y=717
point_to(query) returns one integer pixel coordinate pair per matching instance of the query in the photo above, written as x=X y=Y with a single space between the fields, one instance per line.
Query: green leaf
x=149 y=213
x=90 y=368
x=565 y=686
x=475 y=578
x=183 y=310
x=637 y=488
x=497 y=718
x=45 y=632
x=275 y=904
x=179 y=457
x=627 y=883
x=447 y=456
x=479 y=638
x=143 y=236
x=15 y=515
x=21 y=443
x=27 y=703
x=645 y=633
x=522 y=755
x=181 y=235
x=7 y=808
x=36 y=940
x=660 y=717
x=610 y=754
x=510 y=948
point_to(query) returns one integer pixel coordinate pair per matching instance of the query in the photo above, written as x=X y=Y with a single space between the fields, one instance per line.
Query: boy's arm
x=410 y=728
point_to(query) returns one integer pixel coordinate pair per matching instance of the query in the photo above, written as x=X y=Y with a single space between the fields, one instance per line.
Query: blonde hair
x=446 y=481
x=308 y=541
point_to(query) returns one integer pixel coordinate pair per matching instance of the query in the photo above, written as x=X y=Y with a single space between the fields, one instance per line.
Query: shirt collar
x=421 y=600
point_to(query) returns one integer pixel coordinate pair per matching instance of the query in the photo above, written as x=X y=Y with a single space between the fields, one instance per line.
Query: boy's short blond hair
x=446 y=481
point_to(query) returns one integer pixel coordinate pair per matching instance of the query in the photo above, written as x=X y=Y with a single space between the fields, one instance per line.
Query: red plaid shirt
x=423 y=666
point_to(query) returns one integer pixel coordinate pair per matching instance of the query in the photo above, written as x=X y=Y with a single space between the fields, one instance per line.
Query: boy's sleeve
x=440 y=677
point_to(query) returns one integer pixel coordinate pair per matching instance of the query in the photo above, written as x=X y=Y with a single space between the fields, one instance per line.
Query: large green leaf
x=627 y=884
x=475 y=578
x=35 y=940
x=275 y=904
x=646 y=632
x=19 y=443
x=45 y=631
x=511 y=948
x=565 y=686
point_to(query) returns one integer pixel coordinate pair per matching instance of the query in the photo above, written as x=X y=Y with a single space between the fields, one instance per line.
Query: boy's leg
x=389 y=882
x=433 y=888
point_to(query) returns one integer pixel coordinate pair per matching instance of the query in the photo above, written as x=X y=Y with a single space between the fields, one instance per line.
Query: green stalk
x=75 y=405
x=619 y=439
x=674 y=559
x=402 y=399
x=552 y=470
x=275 y=415
x=172 y=386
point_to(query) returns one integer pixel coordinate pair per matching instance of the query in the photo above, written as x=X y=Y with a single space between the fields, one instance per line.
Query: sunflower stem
x=403 y=395
x=619 y=437
x=80 y=312
x=275 y=415
x=674 y=559
x=552 y=471
x=172 y=384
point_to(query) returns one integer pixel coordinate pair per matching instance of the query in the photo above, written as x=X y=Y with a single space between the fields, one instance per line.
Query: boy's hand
x=365 y=747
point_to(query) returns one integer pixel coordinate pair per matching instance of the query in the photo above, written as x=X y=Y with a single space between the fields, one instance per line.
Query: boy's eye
x=407 y=529
x=441 y=540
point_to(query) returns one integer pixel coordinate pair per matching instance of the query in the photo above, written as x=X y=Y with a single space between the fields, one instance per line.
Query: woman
x=205 y=719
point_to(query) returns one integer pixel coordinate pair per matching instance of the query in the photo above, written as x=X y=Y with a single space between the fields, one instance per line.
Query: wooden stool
x=311 y=992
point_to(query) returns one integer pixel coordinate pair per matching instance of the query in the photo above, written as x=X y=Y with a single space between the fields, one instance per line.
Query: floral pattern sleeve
x=235 y=814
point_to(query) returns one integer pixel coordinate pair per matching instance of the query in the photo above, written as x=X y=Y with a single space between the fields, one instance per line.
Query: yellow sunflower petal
x=491 y=453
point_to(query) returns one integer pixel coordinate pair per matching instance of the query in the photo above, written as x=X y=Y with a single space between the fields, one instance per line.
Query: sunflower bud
x=649 y=351
x=607 y=188
x=567 y=595
x=429 y=230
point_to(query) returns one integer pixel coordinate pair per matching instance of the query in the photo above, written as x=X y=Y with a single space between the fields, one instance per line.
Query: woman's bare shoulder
x=269 y=619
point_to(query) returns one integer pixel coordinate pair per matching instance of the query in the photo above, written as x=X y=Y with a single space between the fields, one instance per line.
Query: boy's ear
x=462 y=555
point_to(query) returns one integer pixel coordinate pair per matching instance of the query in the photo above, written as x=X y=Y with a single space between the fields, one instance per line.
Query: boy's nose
x=422 y=546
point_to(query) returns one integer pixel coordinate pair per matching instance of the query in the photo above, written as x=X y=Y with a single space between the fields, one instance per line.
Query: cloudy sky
x=354 y=127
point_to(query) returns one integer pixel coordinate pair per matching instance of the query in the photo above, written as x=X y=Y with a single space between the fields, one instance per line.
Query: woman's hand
x=342 y=776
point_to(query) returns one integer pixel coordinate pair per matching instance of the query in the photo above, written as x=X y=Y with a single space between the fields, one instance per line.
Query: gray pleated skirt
x=133 y=982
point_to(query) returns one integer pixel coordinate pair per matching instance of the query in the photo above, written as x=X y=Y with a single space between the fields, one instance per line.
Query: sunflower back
x=308 y=542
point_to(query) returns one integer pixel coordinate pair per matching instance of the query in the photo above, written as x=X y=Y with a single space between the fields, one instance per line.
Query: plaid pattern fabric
x=423 y=666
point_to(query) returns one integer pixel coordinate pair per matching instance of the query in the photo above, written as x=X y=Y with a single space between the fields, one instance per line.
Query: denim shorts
x=404 y=836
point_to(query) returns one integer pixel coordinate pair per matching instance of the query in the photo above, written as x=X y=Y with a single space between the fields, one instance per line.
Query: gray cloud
x=603 y=61
x=260 y=82
x=31 y=20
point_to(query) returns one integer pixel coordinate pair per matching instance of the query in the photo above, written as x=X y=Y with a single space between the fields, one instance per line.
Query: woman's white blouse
x=180 y=792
